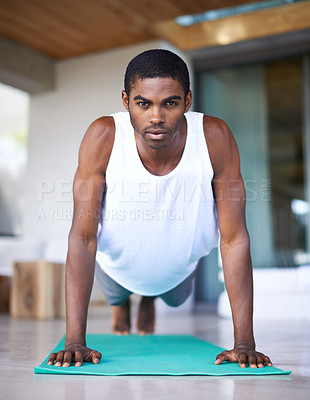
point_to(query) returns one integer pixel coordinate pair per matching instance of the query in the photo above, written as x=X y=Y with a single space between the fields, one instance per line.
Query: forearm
x=79 y=280
x=237 y=267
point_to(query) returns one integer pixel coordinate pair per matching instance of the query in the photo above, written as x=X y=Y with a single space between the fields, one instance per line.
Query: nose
x=156 y=115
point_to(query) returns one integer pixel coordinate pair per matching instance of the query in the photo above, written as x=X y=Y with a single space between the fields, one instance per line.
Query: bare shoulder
x=222 y=146
x=97 y=144
x=217 y=133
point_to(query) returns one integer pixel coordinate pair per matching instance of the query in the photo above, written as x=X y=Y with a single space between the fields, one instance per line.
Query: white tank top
x=154 y=229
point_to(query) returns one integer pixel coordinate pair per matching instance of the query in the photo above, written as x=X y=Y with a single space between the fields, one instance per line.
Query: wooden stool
x=38 y=290
x=4 y=293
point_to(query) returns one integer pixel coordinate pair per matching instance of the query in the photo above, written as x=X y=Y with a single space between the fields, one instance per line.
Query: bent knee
x=173 y=302
x=117 y=302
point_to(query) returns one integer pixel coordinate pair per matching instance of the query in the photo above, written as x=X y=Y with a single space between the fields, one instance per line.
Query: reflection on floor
x=25 y=343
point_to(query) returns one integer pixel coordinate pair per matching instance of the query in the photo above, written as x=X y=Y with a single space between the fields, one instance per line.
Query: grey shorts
x=116 y=295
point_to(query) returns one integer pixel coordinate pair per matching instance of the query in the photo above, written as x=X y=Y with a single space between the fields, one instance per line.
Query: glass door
x=284 y=94
x=264 y=106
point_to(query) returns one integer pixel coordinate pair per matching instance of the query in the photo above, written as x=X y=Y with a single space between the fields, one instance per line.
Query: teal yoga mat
x=153 y=355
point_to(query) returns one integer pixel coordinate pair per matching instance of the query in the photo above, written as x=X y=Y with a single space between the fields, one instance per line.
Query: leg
x=146 y=317
x=177 y=296
x=118 y=297
x=121 y=319
x=174 y=298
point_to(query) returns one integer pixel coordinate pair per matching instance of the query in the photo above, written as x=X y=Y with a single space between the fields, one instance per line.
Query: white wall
x=87 y=88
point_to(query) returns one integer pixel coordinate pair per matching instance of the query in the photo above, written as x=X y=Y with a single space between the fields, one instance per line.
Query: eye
x=171 y=103
x=143 y=104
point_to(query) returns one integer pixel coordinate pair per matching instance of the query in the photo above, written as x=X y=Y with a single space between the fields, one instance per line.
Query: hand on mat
x=74 y=352
x=243 y=354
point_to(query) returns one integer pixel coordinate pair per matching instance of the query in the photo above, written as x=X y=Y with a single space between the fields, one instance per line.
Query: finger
x=59 y=358
x=252 y=360
x=78 y=358
x=67 y=359
x=220 y=358
x=96 y=357
x=267 y=361
x=51 y=359
x=260 y=360
x=242 y=359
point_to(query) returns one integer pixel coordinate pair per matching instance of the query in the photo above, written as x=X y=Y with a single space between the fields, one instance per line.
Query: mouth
x=156 y=131
x=156 y=134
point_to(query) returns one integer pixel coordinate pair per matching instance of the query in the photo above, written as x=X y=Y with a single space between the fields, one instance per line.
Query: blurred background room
x=61 y=66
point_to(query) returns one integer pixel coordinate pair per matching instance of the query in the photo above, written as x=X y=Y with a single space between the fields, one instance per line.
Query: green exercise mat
x=153 y=355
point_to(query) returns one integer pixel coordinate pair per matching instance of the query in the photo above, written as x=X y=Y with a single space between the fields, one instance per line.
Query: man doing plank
x=153 y=187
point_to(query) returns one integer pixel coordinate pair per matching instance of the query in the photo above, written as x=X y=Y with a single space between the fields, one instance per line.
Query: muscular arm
x=88 y=188
x=230 y=196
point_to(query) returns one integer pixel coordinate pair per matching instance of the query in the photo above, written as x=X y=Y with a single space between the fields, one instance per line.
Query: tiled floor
x=25 y=343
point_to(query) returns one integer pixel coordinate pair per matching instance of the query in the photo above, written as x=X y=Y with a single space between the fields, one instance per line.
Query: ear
x=125 y=99
x=188 y=101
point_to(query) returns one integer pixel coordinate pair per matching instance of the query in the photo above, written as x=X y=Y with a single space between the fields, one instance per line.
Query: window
x=13 y=157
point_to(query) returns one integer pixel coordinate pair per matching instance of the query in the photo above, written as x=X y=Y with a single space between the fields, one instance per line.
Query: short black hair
x=157 y=63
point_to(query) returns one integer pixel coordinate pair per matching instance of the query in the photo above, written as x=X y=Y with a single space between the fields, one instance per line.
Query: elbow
x=83 y=240
x=239 y=240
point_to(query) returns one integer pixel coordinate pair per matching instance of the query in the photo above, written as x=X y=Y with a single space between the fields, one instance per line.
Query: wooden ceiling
x=66 y=28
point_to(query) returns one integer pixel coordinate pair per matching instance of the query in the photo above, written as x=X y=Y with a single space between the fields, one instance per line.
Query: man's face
x=156 y=107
